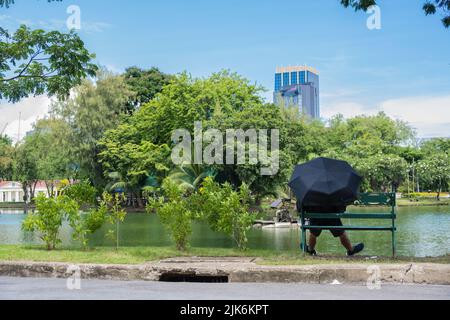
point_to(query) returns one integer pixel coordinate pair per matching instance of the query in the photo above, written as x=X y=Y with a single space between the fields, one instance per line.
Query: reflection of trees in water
x=422 y=231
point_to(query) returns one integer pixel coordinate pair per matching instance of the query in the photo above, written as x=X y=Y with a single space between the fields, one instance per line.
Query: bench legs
x=394 y=253
x=303 y=244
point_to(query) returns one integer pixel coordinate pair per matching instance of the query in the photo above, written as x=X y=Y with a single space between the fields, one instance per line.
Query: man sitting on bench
x=341 y=234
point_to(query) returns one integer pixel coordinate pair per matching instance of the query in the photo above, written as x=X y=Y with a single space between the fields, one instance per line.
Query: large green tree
x=434 y=172
x=95 y=107
x=222 y=101
x=34 y=62
x=49 y=144
x=374 y=145
x=146 y=84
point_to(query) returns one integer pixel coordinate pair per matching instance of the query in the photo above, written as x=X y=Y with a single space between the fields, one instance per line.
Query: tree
x=430 y=7
x=34 y=62
x=146 y=84
x=376 y=146
x=225 y=209
x=222 y=101
x=437 y=145
x=26 y=170
x=111 y=206
x=6 y=158
x=49 y=216
x=175 y=213
x=434 y=172
x=94 y=108
x=133 y=164
x=382 y=172
x=85 y=224
x=191 y=177
x=50 y=147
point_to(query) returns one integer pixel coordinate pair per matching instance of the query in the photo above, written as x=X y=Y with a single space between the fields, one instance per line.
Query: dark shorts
x=326 y=222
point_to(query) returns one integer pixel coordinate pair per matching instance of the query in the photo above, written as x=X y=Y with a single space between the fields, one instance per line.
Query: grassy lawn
x=139 y=255
x=424 y=202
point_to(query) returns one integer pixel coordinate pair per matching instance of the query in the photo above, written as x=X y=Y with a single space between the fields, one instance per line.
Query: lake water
x=422 y=231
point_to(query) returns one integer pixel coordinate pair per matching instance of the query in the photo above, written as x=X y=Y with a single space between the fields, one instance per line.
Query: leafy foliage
x=6 y=158
x=174 y=212
x=47 y=145
x=34 y=62
x=111 y=205
x=94 y=108
x=434 y=172
x=49 y=216
x=225 y=209
x=190 y=177
x=145 y=83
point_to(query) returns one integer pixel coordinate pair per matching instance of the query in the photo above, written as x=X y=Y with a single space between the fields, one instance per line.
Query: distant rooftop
x=296 y=69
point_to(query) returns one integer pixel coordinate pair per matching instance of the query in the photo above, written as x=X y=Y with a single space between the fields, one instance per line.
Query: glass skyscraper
x=299 y=87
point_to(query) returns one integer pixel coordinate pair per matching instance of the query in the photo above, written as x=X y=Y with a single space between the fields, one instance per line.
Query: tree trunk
x=140 y=203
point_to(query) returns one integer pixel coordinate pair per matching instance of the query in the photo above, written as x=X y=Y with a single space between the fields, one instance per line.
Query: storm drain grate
x=177 y=277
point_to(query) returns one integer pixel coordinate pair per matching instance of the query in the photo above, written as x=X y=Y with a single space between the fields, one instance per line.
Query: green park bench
x=365 y=199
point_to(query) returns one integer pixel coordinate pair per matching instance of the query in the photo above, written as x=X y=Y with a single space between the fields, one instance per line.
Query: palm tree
x=190 y=177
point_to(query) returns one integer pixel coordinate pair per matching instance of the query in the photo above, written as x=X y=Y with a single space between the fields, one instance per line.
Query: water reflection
x=422 y=231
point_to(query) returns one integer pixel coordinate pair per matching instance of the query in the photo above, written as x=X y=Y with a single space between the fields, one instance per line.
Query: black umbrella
x=325 y=182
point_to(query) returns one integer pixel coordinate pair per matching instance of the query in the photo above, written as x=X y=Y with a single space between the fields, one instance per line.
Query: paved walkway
x=56 y=289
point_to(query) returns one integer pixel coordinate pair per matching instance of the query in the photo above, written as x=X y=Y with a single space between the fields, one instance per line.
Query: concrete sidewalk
x=237 y=270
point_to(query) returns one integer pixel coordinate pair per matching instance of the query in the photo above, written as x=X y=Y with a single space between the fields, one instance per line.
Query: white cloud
x=29 y=110
x=430 y=116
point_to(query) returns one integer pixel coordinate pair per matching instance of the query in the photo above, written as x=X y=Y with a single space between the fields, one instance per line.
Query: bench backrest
x=365 y=199
x=376 y=199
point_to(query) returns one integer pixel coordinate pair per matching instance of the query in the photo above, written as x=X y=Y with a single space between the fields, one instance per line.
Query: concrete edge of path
x=239 y=272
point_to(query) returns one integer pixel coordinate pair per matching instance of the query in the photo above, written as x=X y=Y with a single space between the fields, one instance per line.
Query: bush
x=175 y=214
x=84 y=194
x=113 y=212
x=49 y=216
x=225 y=209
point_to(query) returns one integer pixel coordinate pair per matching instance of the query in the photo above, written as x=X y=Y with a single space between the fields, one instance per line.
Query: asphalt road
x=56 y=289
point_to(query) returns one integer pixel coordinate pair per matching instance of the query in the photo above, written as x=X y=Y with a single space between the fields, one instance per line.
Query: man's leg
x=312 y=242
x=346 y=241
x=351 y=251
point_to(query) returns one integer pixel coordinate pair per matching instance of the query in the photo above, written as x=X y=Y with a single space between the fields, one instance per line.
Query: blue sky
x=402 y=69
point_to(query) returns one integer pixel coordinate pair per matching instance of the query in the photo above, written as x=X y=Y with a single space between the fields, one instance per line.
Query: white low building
x=12 y=192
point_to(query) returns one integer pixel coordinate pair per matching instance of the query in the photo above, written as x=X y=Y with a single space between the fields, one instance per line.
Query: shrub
x=225 y=209
x=111 y=208
x=49 y=216
x=83 y=194
x=175 y=214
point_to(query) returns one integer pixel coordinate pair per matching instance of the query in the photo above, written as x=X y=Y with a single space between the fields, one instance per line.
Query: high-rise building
x=298 y=86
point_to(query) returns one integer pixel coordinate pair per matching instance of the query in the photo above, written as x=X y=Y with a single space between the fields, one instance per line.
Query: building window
x=277 y=81
x=285 y=79
x=294 y=78
x=302 y=77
